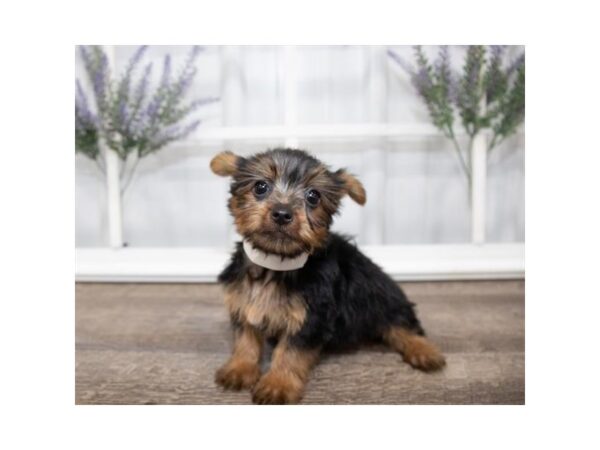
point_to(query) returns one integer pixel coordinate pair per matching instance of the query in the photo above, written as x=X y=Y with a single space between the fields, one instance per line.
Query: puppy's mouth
x=279 y=233
x=278 y=241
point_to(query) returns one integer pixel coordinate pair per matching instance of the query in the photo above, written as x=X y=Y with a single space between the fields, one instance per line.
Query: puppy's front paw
x=277 y=389
x=238 y=375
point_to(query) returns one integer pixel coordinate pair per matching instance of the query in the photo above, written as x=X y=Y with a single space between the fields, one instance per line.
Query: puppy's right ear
x=225 y=164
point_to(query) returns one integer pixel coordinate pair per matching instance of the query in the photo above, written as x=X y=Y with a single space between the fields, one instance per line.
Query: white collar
x=272 y=261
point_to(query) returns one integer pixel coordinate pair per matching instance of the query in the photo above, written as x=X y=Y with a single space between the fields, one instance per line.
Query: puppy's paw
x=423 y=355
x=238 y=375
x=277 y=389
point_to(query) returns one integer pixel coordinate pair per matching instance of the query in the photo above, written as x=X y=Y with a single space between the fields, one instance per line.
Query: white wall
x=176 y=201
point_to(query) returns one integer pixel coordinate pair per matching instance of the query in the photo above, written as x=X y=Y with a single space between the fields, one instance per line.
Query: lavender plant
x=488 y=94
x=130 y=118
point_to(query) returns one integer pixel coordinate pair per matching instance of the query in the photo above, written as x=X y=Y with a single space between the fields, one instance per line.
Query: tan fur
x=353 y=187
x=262 y=304
x=313 y=238
x=242 y=370
x=416 y=350
x=284 y=382
x=253 y=218
x=224 y=164
x=249 y=214
x=308 y=230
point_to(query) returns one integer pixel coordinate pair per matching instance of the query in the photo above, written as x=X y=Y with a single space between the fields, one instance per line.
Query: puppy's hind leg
x=416 y=350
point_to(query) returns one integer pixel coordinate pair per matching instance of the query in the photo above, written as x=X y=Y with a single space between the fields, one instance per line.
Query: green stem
x=496 y=142
x=471 y=141
x=461 y=158
x=101 y=167
x=493 y=142
x=123 y=167
x=130 y=177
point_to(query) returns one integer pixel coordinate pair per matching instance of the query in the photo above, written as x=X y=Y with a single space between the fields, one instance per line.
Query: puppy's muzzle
x=282 y=214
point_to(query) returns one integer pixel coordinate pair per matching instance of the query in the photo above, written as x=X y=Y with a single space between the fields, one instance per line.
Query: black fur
x=349 y=299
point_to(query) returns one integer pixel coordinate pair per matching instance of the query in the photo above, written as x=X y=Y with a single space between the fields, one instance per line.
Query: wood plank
x=161 y=344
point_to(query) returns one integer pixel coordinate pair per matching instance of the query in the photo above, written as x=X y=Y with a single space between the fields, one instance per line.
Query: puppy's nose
x=282 y=214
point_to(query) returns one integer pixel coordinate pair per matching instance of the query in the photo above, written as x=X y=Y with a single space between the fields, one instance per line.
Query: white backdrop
x=176 y=201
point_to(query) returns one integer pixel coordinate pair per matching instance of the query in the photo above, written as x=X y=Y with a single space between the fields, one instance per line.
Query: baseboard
x=402 y=262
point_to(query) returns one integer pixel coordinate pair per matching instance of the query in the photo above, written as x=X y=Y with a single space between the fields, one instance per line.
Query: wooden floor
x=162 y=343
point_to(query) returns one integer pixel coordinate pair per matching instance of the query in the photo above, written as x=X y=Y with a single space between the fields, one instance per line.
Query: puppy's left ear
x=225 y=164
x=352 y=186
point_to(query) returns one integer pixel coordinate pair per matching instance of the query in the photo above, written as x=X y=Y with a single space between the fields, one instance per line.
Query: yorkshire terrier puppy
x=294 y=282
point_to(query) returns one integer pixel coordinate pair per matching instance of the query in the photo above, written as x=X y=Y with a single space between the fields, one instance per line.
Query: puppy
x=296 y=283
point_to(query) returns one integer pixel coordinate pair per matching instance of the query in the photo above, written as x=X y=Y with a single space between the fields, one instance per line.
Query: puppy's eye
x=313 y=197
x=261 y=188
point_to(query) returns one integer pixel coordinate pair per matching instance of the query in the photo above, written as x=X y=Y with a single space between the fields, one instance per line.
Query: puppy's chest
x=267 y=305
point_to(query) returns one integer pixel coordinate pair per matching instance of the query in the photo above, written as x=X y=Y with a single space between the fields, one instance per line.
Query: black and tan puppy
x=293 y=280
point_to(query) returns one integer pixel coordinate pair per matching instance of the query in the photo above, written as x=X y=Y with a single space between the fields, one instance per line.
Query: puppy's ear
x=352 y=186
x=225 y=164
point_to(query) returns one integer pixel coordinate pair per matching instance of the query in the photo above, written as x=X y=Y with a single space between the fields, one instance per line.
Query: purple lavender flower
x=80 y=98
x=516 y=64
x=166 y=73
x=469 y=93
x=83 y=112
x=101 y=77
x=123 y=114
x=169 y=133
x=196 y=49
x=129 y=119
x=444 y=74
x=474 y=69
x=174 y=133
x=408 y=68
x=185 y=83
x=125 y=83
x=421 y=78
x=442 y=90
x=442 y=64
x=201 y=102
x=160 y=137
x=142 y=86
x=495 y=80
x=136 y=58
x=422 y=81
x=85 y=56
x=188 y=73
x=453 y=89
x=136 y=120
x=86 y=125
x=190 y=128
x=151 y=113
x=497 y=51
x=96 y=66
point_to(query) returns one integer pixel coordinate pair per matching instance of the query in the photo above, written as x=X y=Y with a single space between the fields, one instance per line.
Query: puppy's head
x=283 y=200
